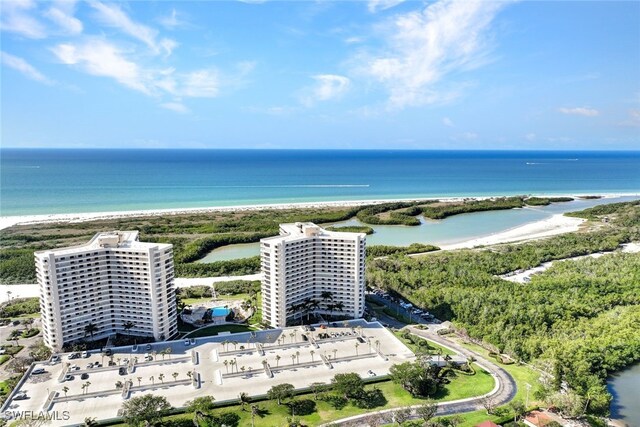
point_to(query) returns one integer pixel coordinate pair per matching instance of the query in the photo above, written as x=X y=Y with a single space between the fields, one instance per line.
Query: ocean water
x=73 y=181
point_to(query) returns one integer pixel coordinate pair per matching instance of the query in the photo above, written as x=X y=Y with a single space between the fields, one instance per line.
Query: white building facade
x=307 y=269
x=112 y=281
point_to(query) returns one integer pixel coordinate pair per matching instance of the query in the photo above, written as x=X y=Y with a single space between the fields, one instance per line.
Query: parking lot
x=223 y=366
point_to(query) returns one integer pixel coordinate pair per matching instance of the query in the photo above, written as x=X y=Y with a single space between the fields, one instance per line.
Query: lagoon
x=624 y=386
x=454 y=229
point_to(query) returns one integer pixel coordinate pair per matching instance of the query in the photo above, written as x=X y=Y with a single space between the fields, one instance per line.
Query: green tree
x=280 y=392
x=147 y=409
x=349 y=385
x=417 y=378
x=427 y=410
x=201 y=404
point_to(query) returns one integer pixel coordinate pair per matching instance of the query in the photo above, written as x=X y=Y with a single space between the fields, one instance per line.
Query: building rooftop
x=293 y=231
x=107 y=239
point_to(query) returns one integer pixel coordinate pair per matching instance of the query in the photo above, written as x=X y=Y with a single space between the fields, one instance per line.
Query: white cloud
x=427 y=45
x=447 y=122
x=327 y=87
x=633 y=120
x=24 y=67
x=580 y=111
x=530 y=136
x=178 y=107
x=15 y=18
x=100 y=58
x=113 y=16
x=62 y=14
x=172 y=21
x=377 y=5
x=465 y=136
x=353 y=40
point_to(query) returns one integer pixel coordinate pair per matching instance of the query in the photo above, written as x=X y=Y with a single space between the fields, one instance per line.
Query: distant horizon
x=514 y=150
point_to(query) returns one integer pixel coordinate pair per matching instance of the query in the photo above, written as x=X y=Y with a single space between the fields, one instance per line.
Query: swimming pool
x=219 y=311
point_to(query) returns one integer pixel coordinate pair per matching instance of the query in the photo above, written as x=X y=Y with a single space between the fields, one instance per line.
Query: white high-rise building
x=308 y=269
x=112 y=281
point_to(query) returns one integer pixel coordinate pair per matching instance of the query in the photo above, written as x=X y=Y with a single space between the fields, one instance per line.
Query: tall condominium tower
x=114 y=283
x=308 y=269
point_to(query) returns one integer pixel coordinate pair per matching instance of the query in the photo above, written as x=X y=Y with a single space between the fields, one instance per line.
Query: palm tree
x=90 y=328
x=139 y=381
x=226 y=365
x=169 y=350
x=244 y=399
x=161 y=378
x=152 y=379
x=356 y=346
x=90 y=422
x=65 y=389
x=378 y=345
x=235 y=344
x=232 y=363
x=128 y=325
x=298 y=357
x=175 y=375
x=293 y=358
x=278 y=360
x=189 y=374
x=87 y=384
x=225 y=343
x=84 y=387
x=254 y=412
x=312 y=353
x=335 y=350
x=242 y=368
x=339 y=306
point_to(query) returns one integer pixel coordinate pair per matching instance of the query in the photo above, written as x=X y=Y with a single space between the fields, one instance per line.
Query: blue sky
x=324 y=74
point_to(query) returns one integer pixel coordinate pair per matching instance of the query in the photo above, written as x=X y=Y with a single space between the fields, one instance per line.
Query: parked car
x=148 y=347
x=55 y=358
x=21 y=397
x=38 y=371
x=122 y=370
x=85 y=354
x=69 y=377
x=84 y=376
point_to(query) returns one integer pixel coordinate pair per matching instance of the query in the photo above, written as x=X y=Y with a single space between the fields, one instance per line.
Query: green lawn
x=521 y=373
x=4 y=358
x=460 y=387
x=215 y=329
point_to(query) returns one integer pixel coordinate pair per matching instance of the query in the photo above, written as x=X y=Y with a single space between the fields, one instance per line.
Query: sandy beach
x=557 y=224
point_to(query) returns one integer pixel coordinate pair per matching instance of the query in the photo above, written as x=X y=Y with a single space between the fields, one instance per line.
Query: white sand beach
x=557 y=224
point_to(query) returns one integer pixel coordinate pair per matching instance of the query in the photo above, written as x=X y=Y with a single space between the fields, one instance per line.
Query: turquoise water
x=450 y=230
x=625 y=389
x=75 y=181
x=219 y=311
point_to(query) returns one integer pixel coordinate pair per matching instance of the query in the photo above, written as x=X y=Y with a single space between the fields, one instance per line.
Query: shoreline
x=553 y=226
x=9 y=221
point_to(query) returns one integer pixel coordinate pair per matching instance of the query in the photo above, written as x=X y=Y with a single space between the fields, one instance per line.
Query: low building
x=307 y=269
x=112 y=284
